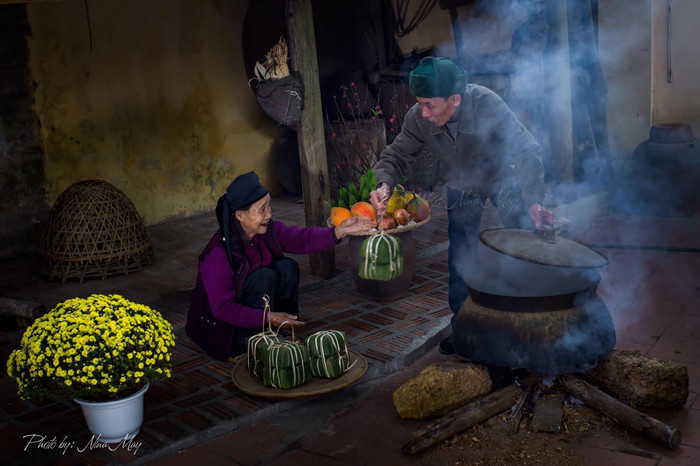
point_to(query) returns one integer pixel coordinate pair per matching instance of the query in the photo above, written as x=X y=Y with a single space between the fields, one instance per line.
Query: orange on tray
x=339 y=215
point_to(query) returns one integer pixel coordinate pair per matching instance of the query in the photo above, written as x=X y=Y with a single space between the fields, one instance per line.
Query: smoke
x=560 y=94
x=625 y=203
x=640 y=196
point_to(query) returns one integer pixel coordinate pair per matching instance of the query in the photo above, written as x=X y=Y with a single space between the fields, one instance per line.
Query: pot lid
x=533 y=247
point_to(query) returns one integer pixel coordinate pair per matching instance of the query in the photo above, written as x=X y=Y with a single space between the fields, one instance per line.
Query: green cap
x=437 y=77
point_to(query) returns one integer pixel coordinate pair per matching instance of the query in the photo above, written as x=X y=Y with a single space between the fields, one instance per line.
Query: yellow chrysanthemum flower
x=101 y=329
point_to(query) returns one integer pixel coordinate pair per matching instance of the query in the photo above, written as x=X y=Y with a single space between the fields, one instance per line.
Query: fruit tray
x=412 y=224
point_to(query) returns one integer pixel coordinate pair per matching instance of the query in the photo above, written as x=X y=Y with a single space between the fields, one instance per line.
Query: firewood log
x=623 y=414
x=461 y=419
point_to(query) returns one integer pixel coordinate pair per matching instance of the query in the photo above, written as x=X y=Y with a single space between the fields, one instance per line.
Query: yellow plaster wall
x=151 y=96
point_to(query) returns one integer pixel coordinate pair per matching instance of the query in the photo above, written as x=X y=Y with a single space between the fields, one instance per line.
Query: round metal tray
x=317 y=386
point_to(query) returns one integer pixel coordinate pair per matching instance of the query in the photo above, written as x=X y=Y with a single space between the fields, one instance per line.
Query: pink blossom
x=359 y=161
x=337 y=165
x=349 y=105
x=364 y=146
x=377 y=107
x=391 y=120
x=350 y=141
x=332 y=135
x=352 y=83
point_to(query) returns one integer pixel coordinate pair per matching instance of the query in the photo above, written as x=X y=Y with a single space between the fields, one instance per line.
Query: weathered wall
x=676 y=101
x=634 y=51
x=22 y=204
x=625 y=55
x=149 y=96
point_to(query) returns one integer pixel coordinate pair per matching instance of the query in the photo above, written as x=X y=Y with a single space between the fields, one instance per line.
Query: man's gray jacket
x=491 y=150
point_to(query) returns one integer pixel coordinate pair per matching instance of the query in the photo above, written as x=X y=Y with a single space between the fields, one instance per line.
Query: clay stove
x=533 y=305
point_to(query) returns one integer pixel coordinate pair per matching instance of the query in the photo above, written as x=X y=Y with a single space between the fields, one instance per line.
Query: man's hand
x=379 y=198
x=541 y=216
x=278 y=318
x=354 y=225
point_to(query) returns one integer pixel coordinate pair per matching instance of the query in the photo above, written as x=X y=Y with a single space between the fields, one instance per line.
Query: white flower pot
x=114 y=421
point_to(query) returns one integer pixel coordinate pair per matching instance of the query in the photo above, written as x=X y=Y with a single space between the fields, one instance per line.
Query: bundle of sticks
x=275 y=65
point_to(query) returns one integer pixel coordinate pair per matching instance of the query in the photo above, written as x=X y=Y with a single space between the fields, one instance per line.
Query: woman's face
x=255 y=220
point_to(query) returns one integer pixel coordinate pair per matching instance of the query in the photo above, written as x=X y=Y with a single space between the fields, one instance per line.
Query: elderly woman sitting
x=244 y=261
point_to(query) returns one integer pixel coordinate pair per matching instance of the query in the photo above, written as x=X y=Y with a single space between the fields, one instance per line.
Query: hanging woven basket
x=281 y=99
x=93 y=230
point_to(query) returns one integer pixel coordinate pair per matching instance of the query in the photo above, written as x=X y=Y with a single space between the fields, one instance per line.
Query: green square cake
x=329 y=353
x=255 y=345
x=287 y=364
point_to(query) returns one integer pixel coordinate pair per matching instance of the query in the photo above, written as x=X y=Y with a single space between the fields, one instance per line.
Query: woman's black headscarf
x=240 y=194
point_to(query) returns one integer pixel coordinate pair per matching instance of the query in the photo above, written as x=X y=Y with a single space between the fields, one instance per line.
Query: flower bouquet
x=99 y=348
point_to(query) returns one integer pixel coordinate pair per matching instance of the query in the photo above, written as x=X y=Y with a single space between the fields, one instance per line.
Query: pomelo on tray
x=363 y=209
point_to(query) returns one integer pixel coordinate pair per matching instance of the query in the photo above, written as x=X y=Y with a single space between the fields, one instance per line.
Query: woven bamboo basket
x=93 y=230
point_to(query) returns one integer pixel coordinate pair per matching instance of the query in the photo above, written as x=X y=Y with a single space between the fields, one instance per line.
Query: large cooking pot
x=534 y=304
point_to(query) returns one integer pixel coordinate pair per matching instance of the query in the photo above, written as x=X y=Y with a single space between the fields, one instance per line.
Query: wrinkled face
x=256 y=219
x=439 y=110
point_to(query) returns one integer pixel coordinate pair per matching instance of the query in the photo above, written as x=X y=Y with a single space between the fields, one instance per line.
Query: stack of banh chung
x=283 y=363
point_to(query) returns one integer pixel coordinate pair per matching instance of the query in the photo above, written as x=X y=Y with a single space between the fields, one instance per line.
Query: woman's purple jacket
x=215 y=311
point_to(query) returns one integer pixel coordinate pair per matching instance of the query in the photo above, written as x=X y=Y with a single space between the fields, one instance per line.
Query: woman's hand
x=354 y=225
x=278 y=318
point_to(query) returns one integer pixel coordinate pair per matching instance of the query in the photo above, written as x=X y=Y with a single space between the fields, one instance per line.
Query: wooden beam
x=9 y=2
x=312 y=143
x=378 y=23
x=557 y=71
x=457 y=33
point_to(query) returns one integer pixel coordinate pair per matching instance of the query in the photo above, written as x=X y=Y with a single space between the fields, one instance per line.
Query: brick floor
x=200 y=396
x=198 y=415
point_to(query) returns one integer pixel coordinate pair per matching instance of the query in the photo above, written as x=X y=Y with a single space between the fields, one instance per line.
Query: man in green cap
x=483 y=152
